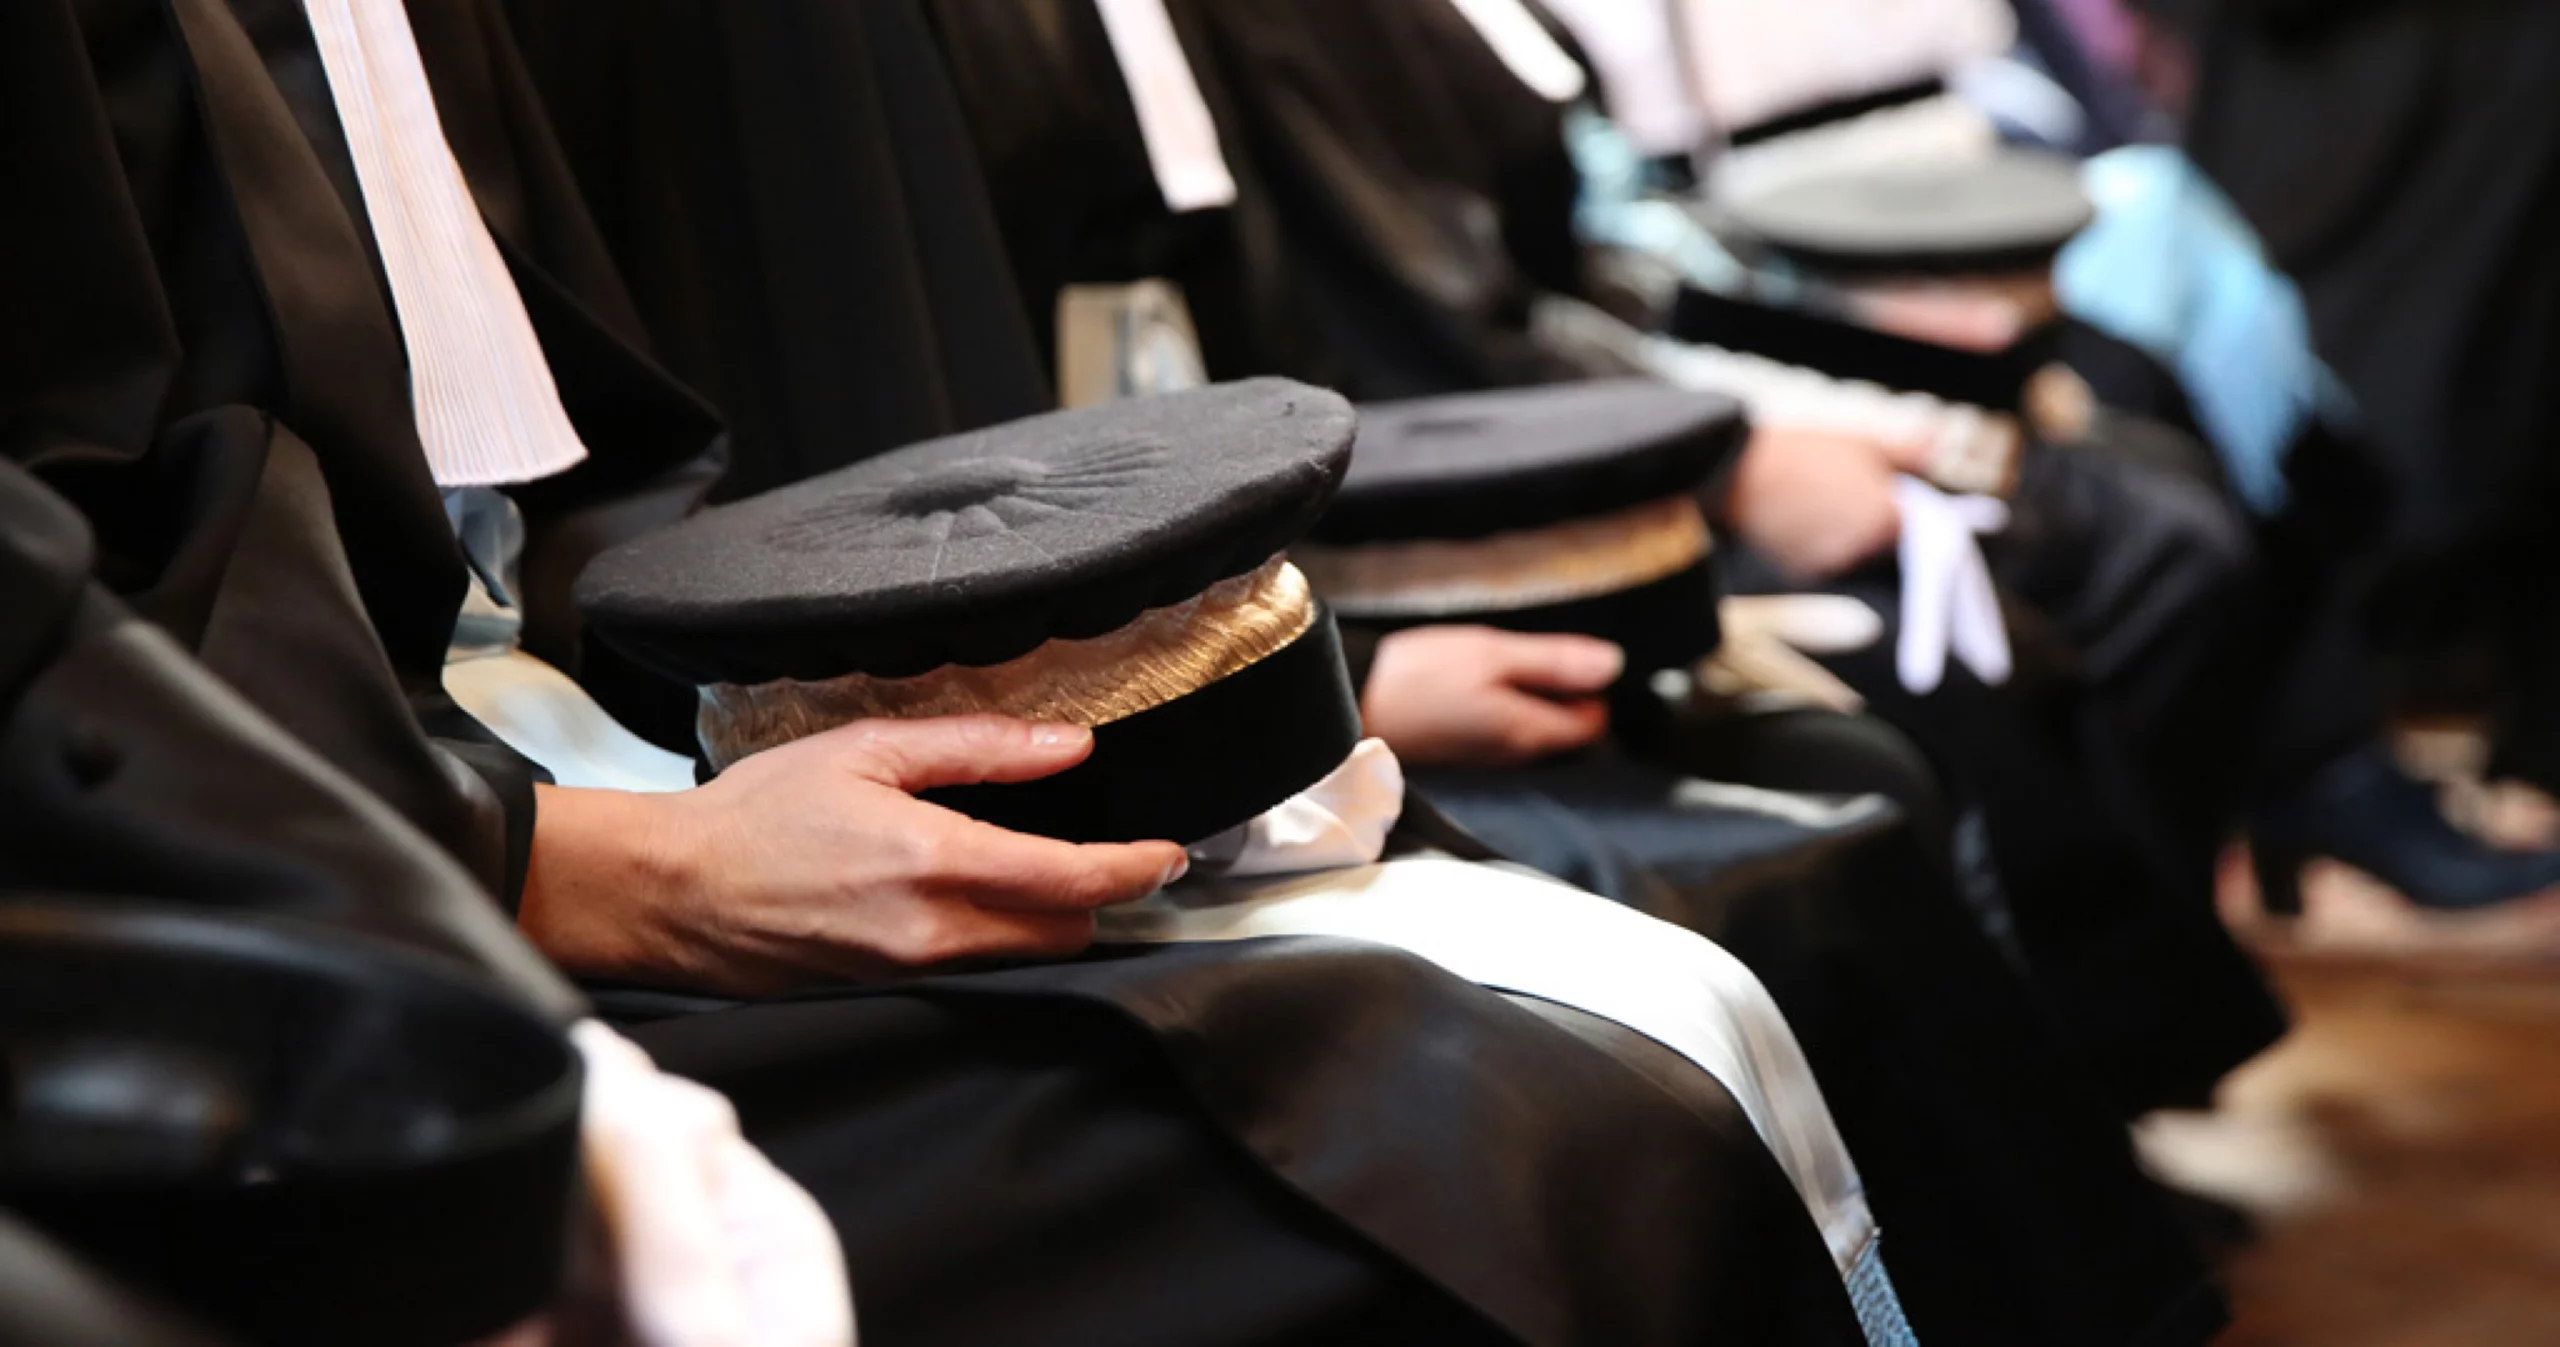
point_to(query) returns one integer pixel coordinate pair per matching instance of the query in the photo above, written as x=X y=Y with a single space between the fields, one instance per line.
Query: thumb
x=919 y=755
x=1578 y=665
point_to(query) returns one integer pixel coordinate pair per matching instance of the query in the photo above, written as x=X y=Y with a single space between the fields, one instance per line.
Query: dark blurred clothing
x=2402 y=160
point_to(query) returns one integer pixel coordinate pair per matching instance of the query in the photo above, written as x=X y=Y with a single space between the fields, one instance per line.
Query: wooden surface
x=2400 y=1153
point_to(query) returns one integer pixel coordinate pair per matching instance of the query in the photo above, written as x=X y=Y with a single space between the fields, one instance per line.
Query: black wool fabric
x=2113 y=917
x=1067 y=173
x=1349 y=259
x=976 y=549
x=195 y=355
x=1845 y=349
x=1469 y=465
x=200 y=356
x=1396 y=234
x=945 y=1132
x=722 y=146
x=2010 y=212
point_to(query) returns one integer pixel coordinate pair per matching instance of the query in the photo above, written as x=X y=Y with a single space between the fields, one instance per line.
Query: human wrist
x=601 y=861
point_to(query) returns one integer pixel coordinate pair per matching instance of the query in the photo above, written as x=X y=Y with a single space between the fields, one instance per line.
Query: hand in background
x=1817 y=504
x=1479 y=697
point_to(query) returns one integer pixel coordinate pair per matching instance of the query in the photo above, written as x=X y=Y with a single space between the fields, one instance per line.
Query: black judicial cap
x=1617 y=464
x=974 y=549
x=2011 y=211
x=1474 y=464
x=299 y=1137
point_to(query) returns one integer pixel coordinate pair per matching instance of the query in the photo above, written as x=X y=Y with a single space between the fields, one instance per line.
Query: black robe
x=1346 y=262
x=197 y=350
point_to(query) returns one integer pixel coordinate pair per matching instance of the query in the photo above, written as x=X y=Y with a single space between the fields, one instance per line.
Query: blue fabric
x=2170 y=267
x=1879 y=1309
x=1620 y=208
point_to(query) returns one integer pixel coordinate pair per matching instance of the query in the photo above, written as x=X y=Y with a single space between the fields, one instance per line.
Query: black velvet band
x=1667 y=624
x=1836 y=110
x=1198 y=765
x=1843 y=350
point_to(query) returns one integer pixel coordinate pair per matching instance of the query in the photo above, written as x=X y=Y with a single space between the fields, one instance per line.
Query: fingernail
x=1607 y=662
x=1057 y=736
x=1173 y=873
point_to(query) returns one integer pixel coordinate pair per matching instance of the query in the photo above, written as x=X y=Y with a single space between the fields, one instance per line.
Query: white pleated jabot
x=1173 y=118
x=488 y=411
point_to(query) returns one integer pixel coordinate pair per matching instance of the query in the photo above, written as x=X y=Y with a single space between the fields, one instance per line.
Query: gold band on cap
x=1165 y=654
x=1531 y=568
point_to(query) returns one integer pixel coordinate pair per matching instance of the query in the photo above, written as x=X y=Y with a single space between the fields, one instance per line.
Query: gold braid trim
x=1578 y=559
x=1167 y=653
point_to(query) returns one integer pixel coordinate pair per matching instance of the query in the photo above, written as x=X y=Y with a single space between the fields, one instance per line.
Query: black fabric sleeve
x=497 y=783
x=127 y=770
x=290 y=548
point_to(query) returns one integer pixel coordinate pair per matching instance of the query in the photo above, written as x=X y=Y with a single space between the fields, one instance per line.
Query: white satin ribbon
x=1340 y=821
x=488 y=411
x=713 y=1246
x=1515 y=931
x=1308 y=868
x=1949 y=606
x=543 y=714
x=1525 y=48
x=1173 y=118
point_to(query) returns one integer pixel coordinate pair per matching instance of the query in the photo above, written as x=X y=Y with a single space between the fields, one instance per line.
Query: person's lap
x=1281 y=1141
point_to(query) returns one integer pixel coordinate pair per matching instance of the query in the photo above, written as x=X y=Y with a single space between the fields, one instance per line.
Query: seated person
x=1142 y=1141
x=1068 y=166
x=1758 y=870
x=2098 y=799
x=2174 y=313
x=214 y=941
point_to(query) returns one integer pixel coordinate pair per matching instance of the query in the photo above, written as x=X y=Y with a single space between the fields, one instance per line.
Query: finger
x=994 y=868
x=1535 y=727
x=916 y=755
x=1573 y=664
